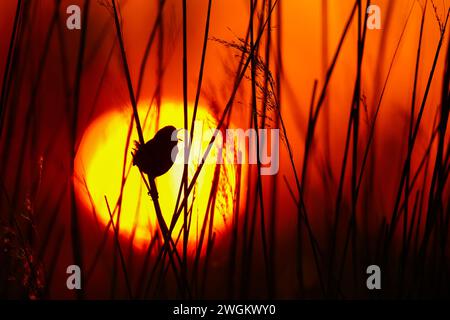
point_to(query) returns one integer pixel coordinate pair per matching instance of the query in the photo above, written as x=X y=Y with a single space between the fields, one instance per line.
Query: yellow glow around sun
x=99 y=166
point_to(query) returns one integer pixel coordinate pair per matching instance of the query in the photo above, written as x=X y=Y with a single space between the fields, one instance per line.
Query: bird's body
x=155 y=157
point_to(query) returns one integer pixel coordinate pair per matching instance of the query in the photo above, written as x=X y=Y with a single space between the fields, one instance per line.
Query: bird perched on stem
x=155 y=156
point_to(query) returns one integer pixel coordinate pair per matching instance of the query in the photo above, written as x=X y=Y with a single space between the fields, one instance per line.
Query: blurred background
x=364 y=150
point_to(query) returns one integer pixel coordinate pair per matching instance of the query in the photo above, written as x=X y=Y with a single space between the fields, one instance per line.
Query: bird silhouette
x=155 y=157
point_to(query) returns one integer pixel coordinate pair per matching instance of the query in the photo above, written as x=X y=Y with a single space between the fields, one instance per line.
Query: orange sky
x=303 y=62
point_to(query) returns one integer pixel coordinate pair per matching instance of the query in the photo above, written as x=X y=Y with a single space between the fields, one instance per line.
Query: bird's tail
x=136 y=151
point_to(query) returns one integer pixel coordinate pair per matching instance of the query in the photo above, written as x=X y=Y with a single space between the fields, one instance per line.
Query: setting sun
x=100 y=168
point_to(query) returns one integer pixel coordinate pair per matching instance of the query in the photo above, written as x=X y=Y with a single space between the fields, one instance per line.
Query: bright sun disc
x=99 y=167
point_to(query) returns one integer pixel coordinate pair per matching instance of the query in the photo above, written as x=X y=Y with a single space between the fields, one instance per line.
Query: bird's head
x=168 y=133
